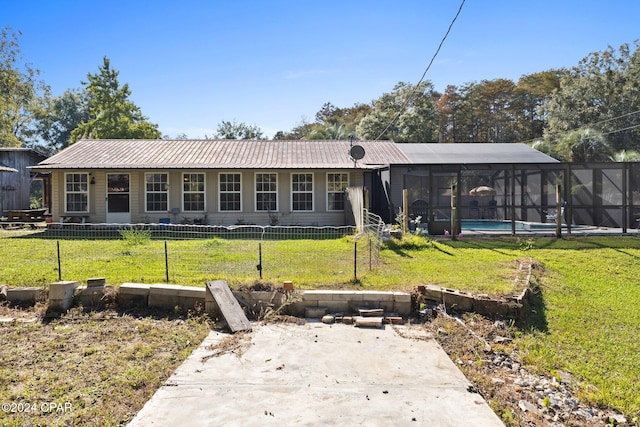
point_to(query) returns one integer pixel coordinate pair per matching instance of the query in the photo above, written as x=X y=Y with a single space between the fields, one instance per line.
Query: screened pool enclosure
x=443 y=197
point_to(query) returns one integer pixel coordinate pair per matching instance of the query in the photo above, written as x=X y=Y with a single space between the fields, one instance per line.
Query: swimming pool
x=490 y=224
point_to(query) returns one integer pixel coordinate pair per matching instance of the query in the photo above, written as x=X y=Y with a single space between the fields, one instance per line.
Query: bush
x=135 y=236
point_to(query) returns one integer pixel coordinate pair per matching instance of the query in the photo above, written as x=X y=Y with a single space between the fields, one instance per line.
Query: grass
x=308 y=263
x=592 y=310
x=590 y=290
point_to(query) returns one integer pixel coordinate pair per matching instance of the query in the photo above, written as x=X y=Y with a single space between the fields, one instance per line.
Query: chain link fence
x=192 y=254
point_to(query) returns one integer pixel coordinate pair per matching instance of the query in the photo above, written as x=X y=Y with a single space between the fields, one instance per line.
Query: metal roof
x=473 y=153
x=219 y=154
x=280 y=154
x=5 y=168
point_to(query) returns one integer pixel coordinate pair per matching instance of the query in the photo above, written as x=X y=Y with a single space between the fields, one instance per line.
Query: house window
x=157 y=192
x=76 y=192
x=302 y=191
x=266 y=192
x=230 y=191
x=193 y=192
x=337 y=183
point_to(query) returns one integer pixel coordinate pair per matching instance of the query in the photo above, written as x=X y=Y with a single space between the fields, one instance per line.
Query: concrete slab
x=316 y=375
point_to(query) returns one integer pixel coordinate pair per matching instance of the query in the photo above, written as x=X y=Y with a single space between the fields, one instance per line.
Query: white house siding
x=320 y=216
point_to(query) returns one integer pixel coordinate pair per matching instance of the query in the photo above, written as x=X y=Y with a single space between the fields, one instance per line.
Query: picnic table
x=26 y=215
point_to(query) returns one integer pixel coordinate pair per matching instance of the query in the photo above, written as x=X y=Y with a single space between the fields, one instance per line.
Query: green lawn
x=591 y=292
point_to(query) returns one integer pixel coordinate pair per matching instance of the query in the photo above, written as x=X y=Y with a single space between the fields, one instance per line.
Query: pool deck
x=540 y=232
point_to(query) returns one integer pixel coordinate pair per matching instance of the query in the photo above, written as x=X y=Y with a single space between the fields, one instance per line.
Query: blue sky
x=192 y=64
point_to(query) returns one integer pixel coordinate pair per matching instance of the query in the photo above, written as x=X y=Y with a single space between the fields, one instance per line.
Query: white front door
x=118 y=206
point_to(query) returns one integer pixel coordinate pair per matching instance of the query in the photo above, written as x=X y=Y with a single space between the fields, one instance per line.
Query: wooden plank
x=228 y=305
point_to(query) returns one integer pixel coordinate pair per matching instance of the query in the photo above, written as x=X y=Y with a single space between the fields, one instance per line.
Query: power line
x=590 y=125
x=621 y=130
x=433 y=58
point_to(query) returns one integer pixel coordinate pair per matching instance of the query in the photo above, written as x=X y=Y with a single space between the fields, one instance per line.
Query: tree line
x=590 y=112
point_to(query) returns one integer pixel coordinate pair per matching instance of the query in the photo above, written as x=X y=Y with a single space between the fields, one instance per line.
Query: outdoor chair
x=419 y=208
x=491 y=209
x=552 y=214
x=474 y=209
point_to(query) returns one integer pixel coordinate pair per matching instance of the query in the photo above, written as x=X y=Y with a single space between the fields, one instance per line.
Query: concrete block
x=192 y=292
x=402 y=308
x=346 y=296
x=316 y=295
x=457 y=300
x=133 y=294
x=23 y=295
x=164 y=296
x=489 y=306
x=134 y=289
x=377 y=296
x=164 y=289
x=401 y=297
x=295 y=309
x=315 y=312
x=90 y=296
x=433 y=292
x=190 y=296
x=334 y=306
x=96 y=282
x=61 y=295
x=62 y=290
x=387 y=305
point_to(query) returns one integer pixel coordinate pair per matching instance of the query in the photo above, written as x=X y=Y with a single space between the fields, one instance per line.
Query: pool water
x=488 y=224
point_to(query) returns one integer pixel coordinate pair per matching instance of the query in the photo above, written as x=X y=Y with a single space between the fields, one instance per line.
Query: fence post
x=259 y=266
x=59 y=268
x=166 y=262
x=355 y=261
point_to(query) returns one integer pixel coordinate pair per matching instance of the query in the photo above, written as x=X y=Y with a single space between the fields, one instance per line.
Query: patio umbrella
x=482 y=191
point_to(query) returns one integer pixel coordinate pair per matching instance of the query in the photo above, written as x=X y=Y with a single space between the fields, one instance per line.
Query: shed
x=16 y=177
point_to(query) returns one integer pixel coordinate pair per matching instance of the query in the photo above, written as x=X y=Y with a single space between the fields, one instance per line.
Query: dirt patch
x=88 y=368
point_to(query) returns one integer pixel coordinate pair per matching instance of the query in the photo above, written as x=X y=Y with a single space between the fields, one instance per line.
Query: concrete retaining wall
x=307 y=303
x=169 y=296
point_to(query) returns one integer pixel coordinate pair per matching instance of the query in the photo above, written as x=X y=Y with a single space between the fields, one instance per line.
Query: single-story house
x=220 y=182
x=16 y=178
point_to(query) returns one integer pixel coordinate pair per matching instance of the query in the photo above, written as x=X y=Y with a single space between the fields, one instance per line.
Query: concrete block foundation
x=23 y=295
x=61 y=295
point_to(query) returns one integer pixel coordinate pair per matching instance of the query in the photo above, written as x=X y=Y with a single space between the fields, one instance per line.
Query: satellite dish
x=356 y=152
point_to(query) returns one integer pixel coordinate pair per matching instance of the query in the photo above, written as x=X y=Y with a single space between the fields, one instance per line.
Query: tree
x=20 y=93
x=601 y=92
x=407 y=114
x=112 y=114
x=582 y=146
x=300 y=131
x=235 y=130
x=449 y=112
x=60 y=116
x=532 y=93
